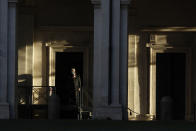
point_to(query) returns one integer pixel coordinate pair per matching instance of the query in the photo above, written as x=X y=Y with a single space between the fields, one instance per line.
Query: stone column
x=110 y=58
x=11 y=84
x=4 y=107
x=101 y=58
x=124 y=57
x=115 y=52
x=119 y=57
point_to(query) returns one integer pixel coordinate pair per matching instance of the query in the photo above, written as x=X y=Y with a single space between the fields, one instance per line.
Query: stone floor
x=64 y=125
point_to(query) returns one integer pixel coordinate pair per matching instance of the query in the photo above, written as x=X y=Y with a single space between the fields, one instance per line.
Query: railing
x=34 y=94
x=33 y=101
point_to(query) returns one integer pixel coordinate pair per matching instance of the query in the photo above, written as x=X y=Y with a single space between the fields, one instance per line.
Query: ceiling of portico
x=162 y=13
x=59 y=12
x=49 y=2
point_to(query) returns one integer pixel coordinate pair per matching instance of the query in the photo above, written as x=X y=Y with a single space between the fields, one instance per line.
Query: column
x=124 y=57
x=11 y=79
x=115 y=52
x=4 y=107
x=101 y=58
x=119 y=58
x=110 y=59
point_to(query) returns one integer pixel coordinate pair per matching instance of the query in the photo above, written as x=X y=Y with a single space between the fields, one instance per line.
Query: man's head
x=73 y=70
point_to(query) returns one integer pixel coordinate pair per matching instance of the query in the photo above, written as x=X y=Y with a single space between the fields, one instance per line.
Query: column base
x=4 y=111
x=113 y=112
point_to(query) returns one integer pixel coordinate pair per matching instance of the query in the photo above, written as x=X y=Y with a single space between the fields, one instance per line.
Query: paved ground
x=63 y=125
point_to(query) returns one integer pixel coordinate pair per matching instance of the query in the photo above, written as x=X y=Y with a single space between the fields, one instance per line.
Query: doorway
x=171 y=81
x=65 y=63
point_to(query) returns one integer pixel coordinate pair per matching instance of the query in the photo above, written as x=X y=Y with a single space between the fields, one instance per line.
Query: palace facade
x=97 y=59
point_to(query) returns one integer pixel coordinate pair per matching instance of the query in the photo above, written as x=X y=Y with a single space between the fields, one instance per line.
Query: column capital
x=96 y=2
x=125 y=2
x=12 y=1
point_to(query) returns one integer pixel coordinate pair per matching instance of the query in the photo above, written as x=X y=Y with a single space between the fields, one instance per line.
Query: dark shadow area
x=65 y=89
x=23 y=92
x=170 y=81
x=95 y=125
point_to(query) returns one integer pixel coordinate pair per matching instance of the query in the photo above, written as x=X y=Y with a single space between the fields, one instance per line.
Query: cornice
x=168 y=29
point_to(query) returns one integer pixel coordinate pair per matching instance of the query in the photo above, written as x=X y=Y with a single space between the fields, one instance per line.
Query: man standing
x=77 y=87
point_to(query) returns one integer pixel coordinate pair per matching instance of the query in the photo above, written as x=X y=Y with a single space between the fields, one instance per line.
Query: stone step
x=95 y=125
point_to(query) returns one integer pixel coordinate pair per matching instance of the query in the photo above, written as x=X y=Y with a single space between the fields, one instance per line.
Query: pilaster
x=7 y=58
x=123 y=75
x=4 y=107
x=11 y=56
x=115 y=52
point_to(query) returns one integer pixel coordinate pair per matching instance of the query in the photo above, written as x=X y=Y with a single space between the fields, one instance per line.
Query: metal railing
x=33 y=101
x=34 y=94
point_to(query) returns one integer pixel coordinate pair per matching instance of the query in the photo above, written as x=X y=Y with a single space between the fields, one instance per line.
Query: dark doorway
x=65 y=62
x=170 y=81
